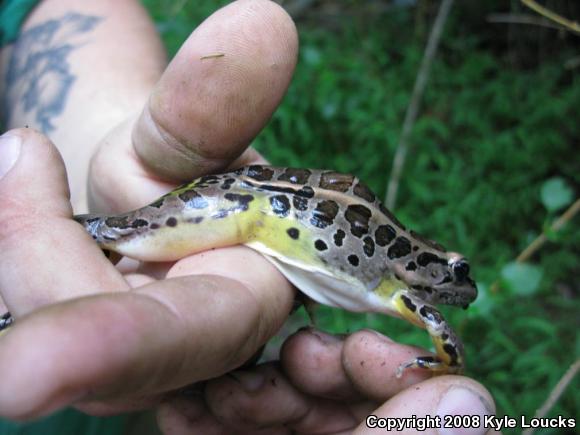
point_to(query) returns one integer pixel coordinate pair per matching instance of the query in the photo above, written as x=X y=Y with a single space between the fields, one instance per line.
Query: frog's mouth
x=456 y=293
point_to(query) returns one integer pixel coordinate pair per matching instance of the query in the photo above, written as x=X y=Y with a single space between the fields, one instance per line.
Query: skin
x=116 y=339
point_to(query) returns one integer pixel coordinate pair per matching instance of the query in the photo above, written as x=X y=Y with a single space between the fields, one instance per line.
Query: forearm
x=77 y=70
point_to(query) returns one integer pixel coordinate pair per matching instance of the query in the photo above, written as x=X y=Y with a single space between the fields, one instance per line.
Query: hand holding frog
x=125 y=350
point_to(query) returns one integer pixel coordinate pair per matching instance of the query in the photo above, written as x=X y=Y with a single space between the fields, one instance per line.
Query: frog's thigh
x=448 y=346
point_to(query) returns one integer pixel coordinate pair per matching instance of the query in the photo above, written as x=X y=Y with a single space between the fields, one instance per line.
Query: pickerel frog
x=325 y=231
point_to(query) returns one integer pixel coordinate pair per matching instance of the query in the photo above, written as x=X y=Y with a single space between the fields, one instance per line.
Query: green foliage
x=556 y=194
x=494 y=148
x=521 y=278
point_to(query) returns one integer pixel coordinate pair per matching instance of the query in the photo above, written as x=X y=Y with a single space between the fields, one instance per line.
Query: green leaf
x=521 y=278
x=556 y=193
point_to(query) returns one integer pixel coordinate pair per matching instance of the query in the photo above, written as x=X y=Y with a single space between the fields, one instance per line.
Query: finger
x=46 y=257
x=134 y=344
x=438 y=397
x=207 y=109
x=312 y=360
x=263 y=397
x=215 y=96
x=182 y=416
x=348 y=368
x=371 y=360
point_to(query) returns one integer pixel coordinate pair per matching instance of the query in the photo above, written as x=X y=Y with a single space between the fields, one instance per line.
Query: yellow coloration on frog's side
x=325 y=231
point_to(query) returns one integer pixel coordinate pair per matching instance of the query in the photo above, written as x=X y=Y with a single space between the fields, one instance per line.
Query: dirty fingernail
x=250 y=381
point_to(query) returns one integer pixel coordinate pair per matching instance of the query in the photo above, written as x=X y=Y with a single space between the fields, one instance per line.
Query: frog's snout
x=465 y=288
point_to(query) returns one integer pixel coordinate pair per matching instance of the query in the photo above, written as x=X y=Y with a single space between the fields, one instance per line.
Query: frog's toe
x=431 y=363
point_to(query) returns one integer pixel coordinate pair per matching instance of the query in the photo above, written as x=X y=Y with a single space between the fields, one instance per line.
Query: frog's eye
x=461 y=270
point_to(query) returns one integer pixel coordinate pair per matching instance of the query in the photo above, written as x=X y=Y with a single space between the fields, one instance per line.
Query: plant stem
x=564 y=22
x=539 y=241
x=555 y=394
x=416 y=96
x=542 y=238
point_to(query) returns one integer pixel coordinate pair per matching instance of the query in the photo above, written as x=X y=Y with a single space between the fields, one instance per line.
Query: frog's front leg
x=449 y=348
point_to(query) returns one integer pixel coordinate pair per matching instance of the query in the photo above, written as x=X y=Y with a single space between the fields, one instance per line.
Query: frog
x=325 y=231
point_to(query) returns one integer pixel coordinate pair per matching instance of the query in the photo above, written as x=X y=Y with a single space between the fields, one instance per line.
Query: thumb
x=44 y=253
x=219 y=91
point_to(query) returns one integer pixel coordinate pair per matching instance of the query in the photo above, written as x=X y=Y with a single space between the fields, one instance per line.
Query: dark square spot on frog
x=369 y=246
x=260 y=173
x=300 y=203
x=192 y=199
x=320 y=245
x=242 y=200
x=353 y=259
x=364 y=192
x=451 y=351
x=411 y=266
x=400 y=248
x=358 y=216
x=227 y=183
x=339 y=237
x=280 y=205
x=137 y=223
x=294 y=233
x=409 y=303
x=154 y=226
x=336 y=181
x=324 y=213
x=427 y=257
x=295 y=176
x=117 y=222
x=431 y=314
x=385 y=234
x=171 y=222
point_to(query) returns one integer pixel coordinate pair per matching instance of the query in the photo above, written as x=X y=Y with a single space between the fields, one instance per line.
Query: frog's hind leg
x=449 y=348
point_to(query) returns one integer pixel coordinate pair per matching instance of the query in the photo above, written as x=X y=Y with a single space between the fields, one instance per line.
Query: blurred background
x=492 y=168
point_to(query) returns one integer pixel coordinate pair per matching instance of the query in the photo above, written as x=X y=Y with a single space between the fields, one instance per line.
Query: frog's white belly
x=324 y=287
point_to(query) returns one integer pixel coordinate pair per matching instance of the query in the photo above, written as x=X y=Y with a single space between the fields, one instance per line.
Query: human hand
x=326 y=384
x=115 y=352
x=128 y=339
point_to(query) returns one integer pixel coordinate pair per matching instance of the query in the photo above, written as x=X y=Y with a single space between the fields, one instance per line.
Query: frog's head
x=439 y=277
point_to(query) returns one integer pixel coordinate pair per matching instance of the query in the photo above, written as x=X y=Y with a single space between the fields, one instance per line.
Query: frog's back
x=345 y=224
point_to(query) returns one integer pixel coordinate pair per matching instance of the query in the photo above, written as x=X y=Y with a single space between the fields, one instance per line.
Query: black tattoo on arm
x=39 y=76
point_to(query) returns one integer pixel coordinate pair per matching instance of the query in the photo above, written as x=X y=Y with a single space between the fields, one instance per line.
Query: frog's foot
x=449 y=359
x=431 y=363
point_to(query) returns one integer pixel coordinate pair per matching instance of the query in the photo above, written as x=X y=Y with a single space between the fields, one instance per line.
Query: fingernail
x=9 y=152
x=458 y=410
x=378 y=335
x=324 y=338
x=250 y=381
